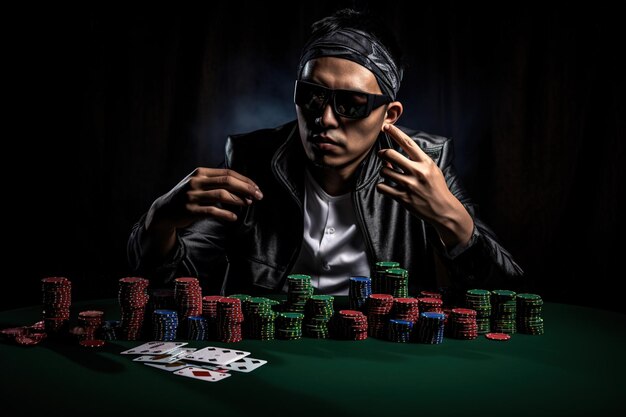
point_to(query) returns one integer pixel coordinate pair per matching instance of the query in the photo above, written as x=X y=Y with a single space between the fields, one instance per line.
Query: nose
x=328 y=119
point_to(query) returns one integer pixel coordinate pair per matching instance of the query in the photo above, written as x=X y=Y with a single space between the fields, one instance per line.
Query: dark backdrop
x=109 y=108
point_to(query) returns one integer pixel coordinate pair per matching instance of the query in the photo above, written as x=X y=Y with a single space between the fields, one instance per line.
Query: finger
x=395 y=158
x=397 y=195
x=225 y=172
x=401 y=179
x=211 y=211
x=410 y=147
x=212 y=197
x=226 y=182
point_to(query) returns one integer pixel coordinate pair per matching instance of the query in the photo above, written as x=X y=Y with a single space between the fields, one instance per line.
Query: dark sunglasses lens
x=351 y=104
x=310 y=97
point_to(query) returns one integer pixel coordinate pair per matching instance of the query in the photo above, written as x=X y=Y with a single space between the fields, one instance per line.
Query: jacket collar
x=290 y=159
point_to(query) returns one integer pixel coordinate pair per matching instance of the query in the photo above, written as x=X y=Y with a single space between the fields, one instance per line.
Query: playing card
x=246 y=364
x=154 y=348
x=215 y=355
x=165 y=357
x=202 y=374
x=172 y=366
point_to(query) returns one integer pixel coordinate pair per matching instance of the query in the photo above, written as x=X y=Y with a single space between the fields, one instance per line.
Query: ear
x=393 y=113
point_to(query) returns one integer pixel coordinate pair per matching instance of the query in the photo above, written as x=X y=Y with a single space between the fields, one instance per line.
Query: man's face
x=334 y=141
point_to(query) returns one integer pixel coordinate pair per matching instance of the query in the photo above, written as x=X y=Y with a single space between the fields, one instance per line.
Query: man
x=330 y=194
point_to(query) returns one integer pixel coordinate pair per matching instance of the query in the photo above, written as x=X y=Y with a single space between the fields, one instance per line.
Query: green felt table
x=575 y=368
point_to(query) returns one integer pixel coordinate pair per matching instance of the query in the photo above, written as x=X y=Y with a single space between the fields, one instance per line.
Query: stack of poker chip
x=110 y=330
x=299 y=290
x=350 y=325
x=90 y=321
x=242 y=297
x=360 y=288
x=229 y=320
x=430 y=294
x=461 y=324
x=405 y=308
x=133 y=298
x=434 y=305
x=430 y=328
x=480 y=300
x=395 y=281
x=377 y=278
x=188 y=297
x=399 y=330
x=317 y=314
x=164 y=325
x=57 y=298
x=378 y=307
x=259 y=319
x=289 y=326
x=503 y=311
x=197 y=328
x=209 y=312
x=529 y=320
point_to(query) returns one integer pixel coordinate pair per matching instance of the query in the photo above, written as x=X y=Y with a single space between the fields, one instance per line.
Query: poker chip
x=529 y=310
x=289 y=326
x=110 y=330
x=399 y=330
x=318 y=313
x=90 y=322
x=188 y=299
x=350 y=325
x=430 y=294
x=430 y=328
x=503 y=311
x=461 y=324
x=395 y=281
x=92 y=343
x=480 y=301
x=299 y=290
x=133 y=297
x=164 y=325
x=433 y=305
x=56 y=299
x=259 y=318
x=229 y=320
x=197 y=328
x=498 y=336
x=405 y=308
x=378 y=308
x=378 y=279
x=209 y=312
x=360 y=288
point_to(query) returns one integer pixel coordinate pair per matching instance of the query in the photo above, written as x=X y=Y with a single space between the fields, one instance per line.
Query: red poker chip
x=498 y=336
x=92 y=343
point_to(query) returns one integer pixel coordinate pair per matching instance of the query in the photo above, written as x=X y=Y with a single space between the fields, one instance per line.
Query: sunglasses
x=314 y=98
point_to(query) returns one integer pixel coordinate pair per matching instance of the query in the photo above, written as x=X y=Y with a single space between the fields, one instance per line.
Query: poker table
x=576 y=368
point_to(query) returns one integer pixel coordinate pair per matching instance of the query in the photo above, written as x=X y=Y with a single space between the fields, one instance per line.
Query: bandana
x=361 y=48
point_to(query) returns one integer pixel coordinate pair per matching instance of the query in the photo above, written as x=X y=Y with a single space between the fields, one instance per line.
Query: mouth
x=322 y=139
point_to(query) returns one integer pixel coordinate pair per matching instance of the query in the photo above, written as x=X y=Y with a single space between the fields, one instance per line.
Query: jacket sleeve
x=484 y=262
x=198 y=249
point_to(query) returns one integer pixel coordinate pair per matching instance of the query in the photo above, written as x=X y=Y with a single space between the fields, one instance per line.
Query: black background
x=106 y=109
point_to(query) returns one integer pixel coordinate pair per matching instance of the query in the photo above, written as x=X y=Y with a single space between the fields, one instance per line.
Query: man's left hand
x=421 y=188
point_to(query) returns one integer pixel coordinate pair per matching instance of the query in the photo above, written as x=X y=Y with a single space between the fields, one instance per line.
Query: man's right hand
x=206 y=192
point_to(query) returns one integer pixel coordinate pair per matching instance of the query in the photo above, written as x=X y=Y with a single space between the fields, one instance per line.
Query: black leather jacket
x=262 y=246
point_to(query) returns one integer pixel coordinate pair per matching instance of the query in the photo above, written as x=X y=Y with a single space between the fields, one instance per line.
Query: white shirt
x=333 y=249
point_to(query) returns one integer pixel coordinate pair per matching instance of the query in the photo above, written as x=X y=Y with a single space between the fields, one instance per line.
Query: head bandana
x=361 y=48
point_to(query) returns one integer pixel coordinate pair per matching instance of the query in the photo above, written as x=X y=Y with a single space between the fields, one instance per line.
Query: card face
x=154 y=348
x=171 y=367
x=215 y=355
x=202 y=374
x=165 y=357
x=246 y=364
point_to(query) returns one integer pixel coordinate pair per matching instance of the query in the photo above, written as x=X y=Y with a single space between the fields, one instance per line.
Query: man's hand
x=206 y=192
x=421 y=188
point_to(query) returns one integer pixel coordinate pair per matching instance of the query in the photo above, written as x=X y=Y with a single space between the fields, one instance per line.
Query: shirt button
x=330 y=230
x=326 y=267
